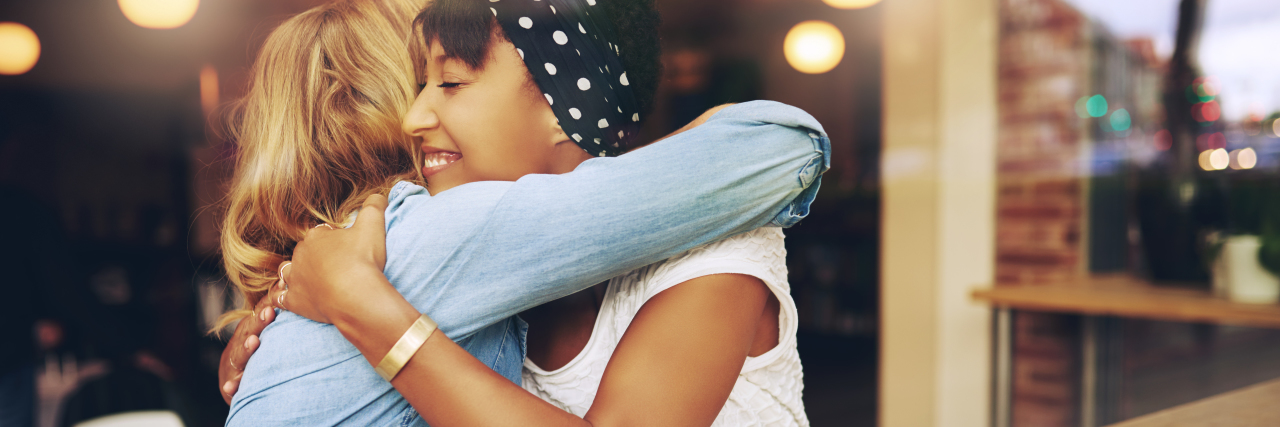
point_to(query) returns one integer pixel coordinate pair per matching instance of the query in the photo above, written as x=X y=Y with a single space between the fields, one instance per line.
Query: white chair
x=136 y=419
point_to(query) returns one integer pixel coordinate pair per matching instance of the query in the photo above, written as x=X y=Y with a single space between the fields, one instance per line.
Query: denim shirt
x=476 y=255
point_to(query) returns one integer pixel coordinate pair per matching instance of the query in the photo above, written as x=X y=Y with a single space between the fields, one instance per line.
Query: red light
x=1163 y=140
x=1210 y=111
x=1217 y=140
x=1196 y=113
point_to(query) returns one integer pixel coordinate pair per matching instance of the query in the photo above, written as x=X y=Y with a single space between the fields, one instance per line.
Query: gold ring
x=233 y=364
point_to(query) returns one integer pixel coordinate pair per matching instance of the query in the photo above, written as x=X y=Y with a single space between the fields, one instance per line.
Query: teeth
x=438 y=159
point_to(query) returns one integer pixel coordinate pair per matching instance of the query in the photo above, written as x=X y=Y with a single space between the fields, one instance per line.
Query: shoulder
x=769 y=112
x=760 y=253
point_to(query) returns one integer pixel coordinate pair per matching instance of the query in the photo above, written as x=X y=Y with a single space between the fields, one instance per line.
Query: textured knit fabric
x=769 y=387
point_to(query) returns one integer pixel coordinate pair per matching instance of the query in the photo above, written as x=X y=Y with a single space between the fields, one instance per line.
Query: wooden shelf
x=1125 y=296
x=1253 y=406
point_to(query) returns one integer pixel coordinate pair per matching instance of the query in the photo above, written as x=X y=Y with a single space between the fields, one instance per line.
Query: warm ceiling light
x=814 y=47
x=850 y=4
x=159 y=14
x=19 y=48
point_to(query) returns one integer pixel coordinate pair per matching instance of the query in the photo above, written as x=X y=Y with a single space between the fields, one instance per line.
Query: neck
x=567 y=157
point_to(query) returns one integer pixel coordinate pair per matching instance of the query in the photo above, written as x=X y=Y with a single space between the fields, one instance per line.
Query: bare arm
x=675 y=366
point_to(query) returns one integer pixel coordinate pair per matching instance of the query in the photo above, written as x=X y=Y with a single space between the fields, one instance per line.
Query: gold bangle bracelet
x=406 y=347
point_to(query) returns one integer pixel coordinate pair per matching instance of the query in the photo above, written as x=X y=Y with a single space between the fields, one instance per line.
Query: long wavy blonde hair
x=318 y=132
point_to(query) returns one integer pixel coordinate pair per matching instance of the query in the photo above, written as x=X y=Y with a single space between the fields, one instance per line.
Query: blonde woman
x=472 y=253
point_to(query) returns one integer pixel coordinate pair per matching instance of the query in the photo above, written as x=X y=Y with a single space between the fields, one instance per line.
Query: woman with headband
x=446 y=252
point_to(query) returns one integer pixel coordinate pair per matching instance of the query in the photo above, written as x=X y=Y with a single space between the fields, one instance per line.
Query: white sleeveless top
x=767 y=392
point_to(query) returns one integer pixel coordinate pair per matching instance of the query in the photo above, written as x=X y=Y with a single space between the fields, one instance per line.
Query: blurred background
x=1039 y=212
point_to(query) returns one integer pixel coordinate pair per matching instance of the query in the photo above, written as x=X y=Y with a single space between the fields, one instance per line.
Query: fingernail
x=227 y=387
x=263 y=316
x=248 y=341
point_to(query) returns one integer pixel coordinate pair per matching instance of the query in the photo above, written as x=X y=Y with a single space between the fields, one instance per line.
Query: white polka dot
x=551 y=68
x=591 y=2
x=621 y=133
x=584 y=84
x=597 y=141
x=553 y=10
x=601 y=70
x=526 y=22
x=635 y=117
x=521 y=52
x=583 y=30
x=579 y=52
x=495 y=11
x=559 y=37
x=624 y=80
x=619 y=109
x=601 y=154
x=603 y=123
x=549 y=100
x=606 y=69
x=577 y=137
x=573 y=112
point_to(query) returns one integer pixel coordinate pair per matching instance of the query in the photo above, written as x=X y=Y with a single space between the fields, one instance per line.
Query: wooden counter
x=1253 y=406
x=1125 y=296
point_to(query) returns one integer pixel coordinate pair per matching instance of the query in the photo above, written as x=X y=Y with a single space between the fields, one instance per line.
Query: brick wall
x=1044 y=68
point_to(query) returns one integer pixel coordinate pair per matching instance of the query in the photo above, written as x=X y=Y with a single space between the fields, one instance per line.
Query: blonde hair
x=318 y=132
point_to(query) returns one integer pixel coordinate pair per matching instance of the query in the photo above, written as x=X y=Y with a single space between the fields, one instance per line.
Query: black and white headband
x=573 y=58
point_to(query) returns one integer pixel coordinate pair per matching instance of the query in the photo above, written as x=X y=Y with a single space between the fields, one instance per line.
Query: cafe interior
x=1039 y=213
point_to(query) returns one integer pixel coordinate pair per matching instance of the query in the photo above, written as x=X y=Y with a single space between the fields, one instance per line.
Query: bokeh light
x=1082 y=108
x=1244 y=158
x=1206 y=111
x=1275 y=127
x=1120 y=120
x=850 y=4
x=1219 y=159
x=209 y=88
x=159 y=14
x=1096 y=106
x=1203 y=160
x=814 y=47
x=1163 y=140
x=19 y=48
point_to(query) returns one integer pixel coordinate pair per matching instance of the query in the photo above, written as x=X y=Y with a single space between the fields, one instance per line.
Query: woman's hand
x=332 y=266
x=241 y=346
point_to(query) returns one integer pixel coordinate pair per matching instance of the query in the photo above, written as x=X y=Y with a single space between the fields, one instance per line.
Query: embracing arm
x=549 y=236
x=665 y=371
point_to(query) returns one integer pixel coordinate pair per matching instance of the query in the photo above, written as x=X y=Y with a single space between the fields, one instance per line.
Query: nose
x=421 y=117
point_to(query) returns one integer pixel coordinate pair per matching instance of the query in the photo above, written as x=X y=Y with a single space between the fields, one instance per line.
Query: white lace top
x=768 y=389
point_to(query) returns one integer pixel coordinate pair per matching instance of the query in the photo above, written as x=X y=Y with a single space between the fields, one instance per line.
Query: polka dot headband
x=568 y=46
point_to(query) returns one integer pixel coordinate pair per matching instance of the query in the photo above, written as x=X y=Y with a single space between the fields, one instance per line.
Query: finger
x=283 y=271
x=371 y=214
x=230 y=387
x=240 y=357
x=273 y=296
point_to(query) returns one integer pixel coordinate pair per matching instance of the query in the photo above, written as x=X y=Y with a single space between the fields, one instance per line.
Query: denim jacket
x=476 y=255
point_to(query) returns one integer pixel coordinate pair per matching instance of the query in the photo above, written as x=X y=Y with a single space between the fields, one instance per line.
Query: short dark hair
x=465 y=28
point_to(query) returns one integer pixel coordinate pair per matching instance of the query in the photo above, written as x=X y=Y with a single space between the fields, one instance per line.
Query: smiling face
x=490 y=123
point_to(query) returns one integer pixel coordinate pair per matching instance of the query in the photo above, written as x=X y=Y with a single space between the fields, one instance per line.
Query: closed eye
x=447 y=85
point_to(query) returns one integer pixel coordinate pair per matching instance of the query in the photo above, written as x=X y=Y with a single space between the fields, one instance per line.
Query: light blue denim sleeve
x=547 y=236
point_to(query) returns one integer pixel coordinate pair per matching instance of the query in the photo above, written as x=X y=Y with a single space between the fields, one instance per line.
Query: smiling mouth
x=435 y=162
